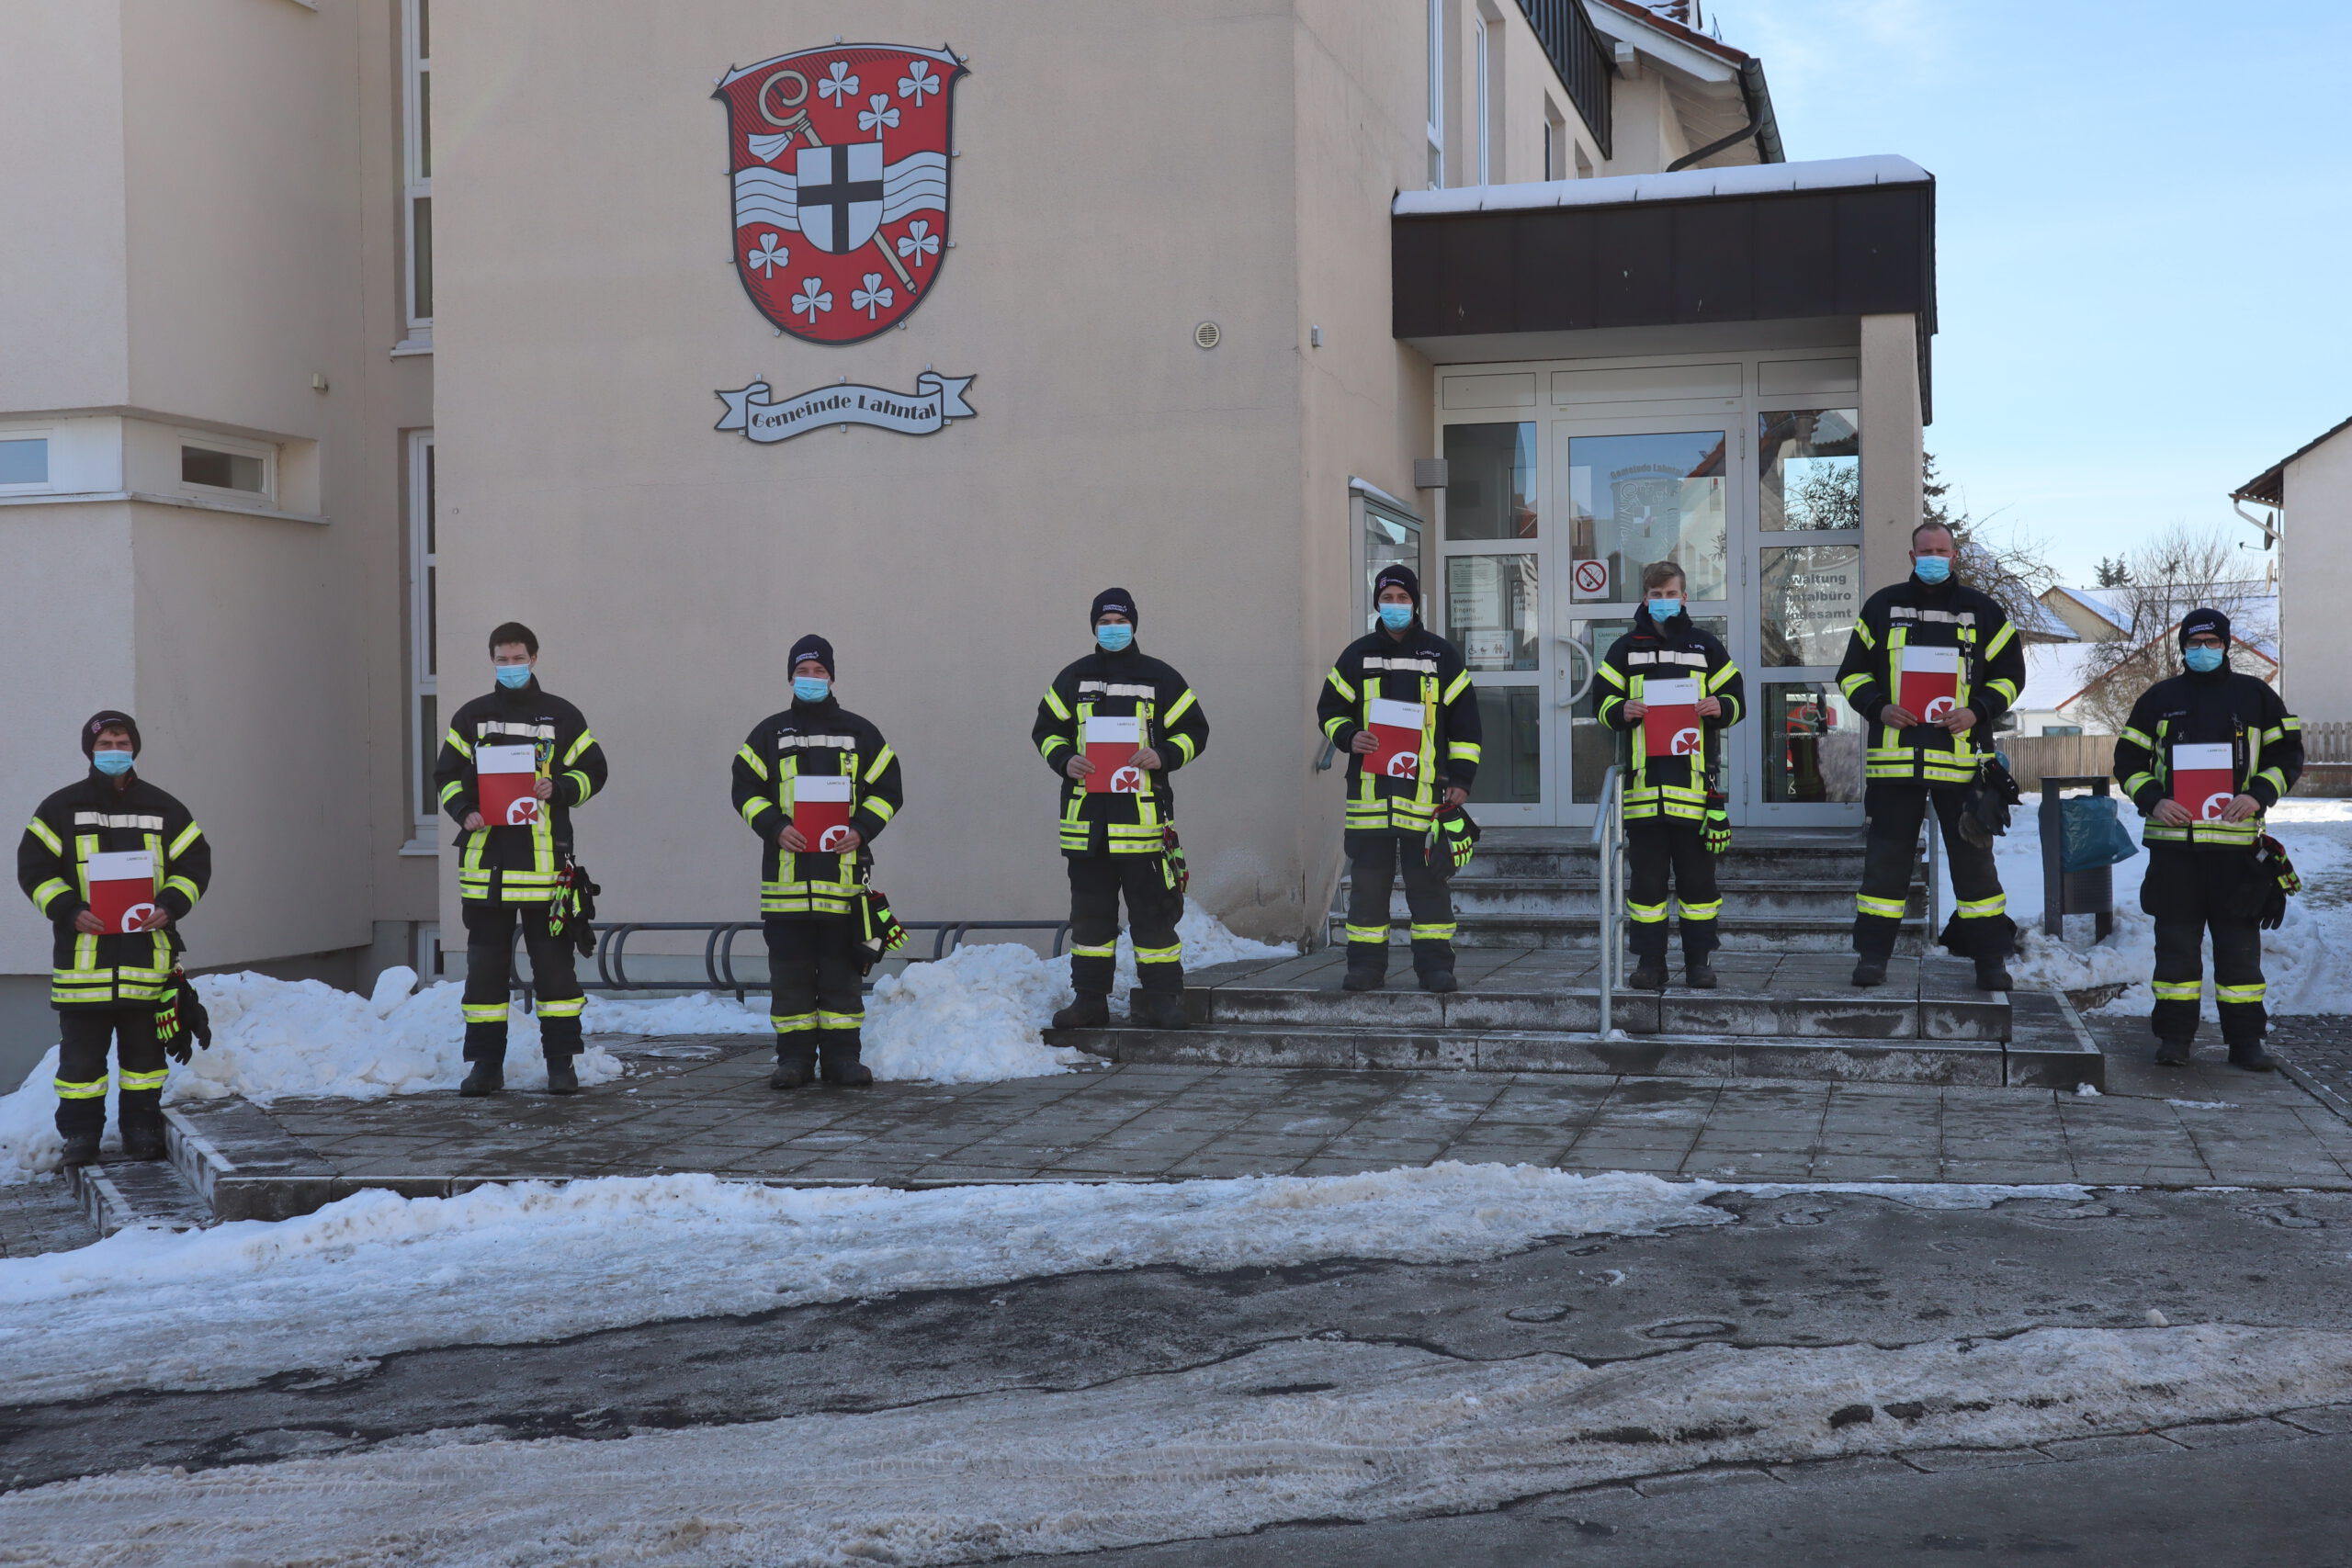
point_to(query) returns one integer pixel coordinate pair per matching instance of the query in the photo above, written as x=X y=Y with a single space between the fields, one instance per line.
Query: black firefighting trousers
x=1374 y=858
x=1654 y=846
x=2190 y=892
x=1980 y=926
x=815 y=991
x=490 y=958
x=1096 y=884
x=84 y=1034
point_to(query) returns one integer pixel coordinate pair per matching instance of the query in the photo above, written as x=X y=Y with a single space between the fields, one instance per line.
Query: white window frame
x=422 y=681
x=1486 y=93
x=1437 y=94
x=416 y=173
x=48 y=437
x=266 y=496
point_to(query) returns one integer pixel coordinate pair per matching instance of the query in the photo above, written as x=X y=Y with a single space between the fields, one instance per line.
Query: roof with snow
x=2093 y=599
x=2036 y=622
x=2268 y=487
x=1689 y=185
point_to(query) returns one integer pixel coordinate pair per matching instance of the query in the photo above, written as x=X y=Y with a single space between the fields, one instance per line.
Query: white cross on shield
x=839 y=195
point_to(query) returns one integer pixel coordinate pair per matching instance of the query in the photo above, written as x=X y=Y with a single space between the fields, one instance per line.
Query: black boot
x=1158 y=1010
x=837 y=1053
x=1870 y=969
x=1091 y=1010
x=81 y=1122
x=1698 y=974
x=2173 y=1053
x=561 y=1078
x=1992 y=973
x=1363 y=977
x=796 y=1061
x=81 y=1149
x=1439 y=980
x=1433 y=966
x=2252 y=1057
x=139 y=1112
x=488 y=1077
x=144 y=1143
x=1649 y=974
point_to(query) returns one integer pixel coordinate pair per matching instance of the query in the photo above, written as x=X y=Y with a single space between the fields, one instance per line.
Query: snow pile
x=2308 y=961
x=376 y=1273
x=1306 y=1429
x=976 y=1016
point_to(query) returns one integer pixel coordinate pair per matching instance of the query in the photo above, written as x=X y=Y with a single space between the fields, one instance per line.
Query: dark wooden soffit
x=1870 y=249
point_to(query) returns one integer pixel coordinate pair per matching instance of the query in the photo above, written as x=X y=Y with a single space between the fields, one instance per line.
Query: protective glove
x=1715 y=829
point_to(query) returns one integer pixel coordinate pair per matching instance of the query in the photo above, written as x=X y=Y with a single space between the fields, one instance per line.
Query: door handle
x=1590 y=672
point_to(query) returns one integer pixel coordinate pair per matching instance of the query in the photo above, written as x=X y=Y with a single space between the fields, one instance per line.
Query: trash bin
x=2091 y=889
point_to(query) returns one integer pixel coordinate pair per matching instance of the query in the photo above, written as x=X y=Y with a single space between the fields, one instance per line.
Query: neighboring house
x=2311 y=486
x=2087 y=613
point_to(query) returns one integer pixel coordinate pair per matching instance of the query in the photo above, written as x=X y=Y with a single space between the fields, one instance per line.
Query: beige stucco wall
x=1892 y=447
x=2316 y=579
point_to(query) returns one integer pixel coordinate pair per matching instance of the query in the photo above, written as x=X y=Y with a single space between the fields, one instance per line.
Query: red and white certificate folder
x=1111 y=740
x=505 y=776
x=1670 y=717
x=820 y=810
x=2204 y=779
x=1931 y=681
x=122 y=888
x=1396 y=730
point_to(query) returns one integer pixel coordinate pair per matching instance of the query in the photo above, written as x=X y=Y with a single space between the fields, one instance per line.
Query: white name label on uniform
x=821 y=786
x=1391 y=714
x=1107 y=729
x=506 y=759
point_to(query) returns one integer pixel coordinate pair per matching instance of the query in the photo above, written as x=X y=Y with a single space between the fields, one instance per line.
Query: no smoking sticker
x=1590 y=578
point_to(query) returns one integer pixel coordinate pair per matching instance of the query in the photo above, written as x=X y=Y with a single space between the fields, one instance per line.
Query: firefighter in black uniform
x=2203 y=869
x=813 y=895
x=108 y=988
x=523 y=871
x=1395 y=677
x=1121 y=841
x=1670 y=819
x=1947 y=637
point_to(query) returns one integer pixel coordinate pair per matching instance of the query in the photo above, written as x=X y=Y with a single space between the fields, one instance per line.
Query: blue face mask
x=514 y=677
x=1665 y=609
x=1114 y=636
x=1931 y=569
x=811 y=689
x=1395 y=617
x=114 y=764
x=2204 y=660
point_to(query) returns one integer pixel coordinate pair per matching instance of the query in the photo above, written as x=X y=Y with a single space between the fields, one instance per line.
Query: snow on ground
x=376 y=1273
x=2308 y=961
x=1309 y=1428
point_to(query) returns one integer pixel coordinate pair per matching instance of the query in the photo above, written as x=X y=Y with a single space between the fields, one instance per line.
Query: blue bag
x=2095 y=835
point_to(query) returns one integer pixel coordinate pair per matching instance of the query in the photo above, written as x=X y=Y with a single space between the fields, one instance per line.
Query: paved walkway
x=704 y=1106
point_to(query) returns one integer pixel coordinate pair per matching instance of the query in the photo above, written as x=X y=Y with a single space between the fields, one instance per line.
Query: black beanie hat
x=815 y=647
x=1117 y=598
x=108 y=718
x=2204 y=620
x=1402 y=575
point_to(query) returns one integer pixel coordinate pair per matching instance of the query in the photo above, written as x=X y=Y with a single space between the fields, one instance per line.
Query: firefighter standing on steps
x=1670 y=821
x=2225 y=742
x=1415 y=677
x=108 y=987
x=1948 y=637
x=518 y=873
x=813 y=895
x=1120 y=841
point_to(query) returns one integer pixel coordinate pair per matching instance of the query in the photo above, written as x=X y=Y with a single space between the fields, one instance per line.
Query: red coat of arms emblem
x=839 y=159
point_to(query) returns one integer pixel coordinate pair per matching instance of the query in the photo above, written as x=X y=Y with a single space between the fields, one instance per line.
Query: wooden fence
x=2328 y=758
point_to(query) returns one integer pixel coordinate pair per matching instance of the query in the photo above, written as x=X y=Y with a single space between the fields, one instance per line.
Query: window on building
x=423 y=631
x=2061 y=729
x=24 y=459
x=218 y=469
x=1484 y=103
x=1555 y=142
x=417 y=158
x=1437 y=94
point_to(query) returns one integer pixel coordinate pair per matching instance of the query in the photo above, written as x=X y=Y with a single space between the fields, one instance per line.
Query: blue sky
x=2143 y=245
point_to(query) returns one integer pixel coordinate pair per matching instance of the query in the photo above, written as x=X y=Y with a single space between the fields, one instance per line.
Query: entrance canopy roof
x=1841 y=237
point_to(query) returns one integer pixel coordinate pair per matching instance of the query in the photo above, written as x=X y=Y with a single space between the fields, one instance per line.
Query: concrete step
x=1552 y=897
x=1737 y=933
x=138 y=1195
x=244 y=1165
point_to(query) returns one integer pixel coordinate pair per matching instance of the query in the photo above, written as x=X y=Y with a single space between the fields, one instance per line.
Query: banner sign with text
x=926 y=410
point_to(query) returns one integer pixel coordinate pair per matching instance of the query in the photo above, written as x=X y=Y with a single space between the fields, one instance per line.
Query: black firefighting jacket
x=1417 y=667
x=99 y=816
x=1911 y=613
x=2221 y=707
x=811 y=740
x=520 y=865
x=1671 y=786
x=1129 y=683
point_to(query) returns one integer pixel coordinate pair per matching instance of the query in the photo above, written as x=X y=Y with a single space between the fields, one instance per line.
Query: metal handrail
x=611 y=957
x=1609 y=838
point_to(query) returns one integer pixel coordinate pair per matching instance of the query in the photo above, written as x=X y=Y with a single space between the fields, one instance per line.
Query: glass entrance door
x=1805 y=556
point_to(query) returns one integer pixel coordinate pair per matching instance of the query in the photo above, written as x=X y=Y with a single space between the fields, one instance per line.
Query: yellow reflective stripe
x=39 y=830
x=1178 y=708
x=1107 y=950
x=1862 y=630
x=188 y=836
x=1706 y=911
x=2274 y=734
x=568 y=1007
x=2278 y=779
x=182 y=885
x=133 y=1082
x=1460 y=685
x=1888 y=909
x=451 y=790
x=1647 y=914
x=2001 y=638
x=1853 y=684
x=1721 y=678
x=1052 y=700
x=75 y=1088
x=1981 y=908
x=841 y=1020
x=882 y=810
x=458 y=742
x=484 y=1013
x=2177 y=990
x=1608 y=672
x=2290 y=722
x=1045 y=747
x=2131 y=786
x=753 y=806
x=1464 y=750
x=1332 y=727
x=1159 y=954
x=758 y=763
x=1442 y=931
x=882 y=760
x=47 y=893
x=586 y=788
x=792 y=1022
x=1339 y=684
x=586 y=739
x=1185 y=744
x=1368 y=933
x=2242 y=994
x=2139 y=740
x=2007 y=688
